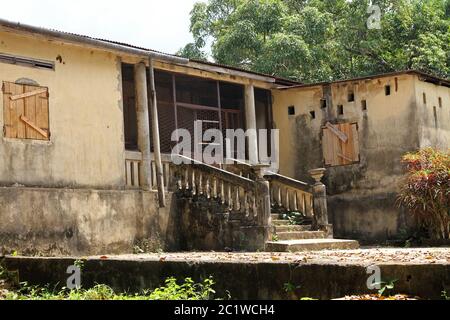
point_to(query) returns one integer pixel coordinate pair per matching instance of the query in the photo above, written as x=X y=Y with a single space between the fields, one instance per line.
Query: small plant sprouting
x=289 y=287
x=79 y=264
x=386 y=286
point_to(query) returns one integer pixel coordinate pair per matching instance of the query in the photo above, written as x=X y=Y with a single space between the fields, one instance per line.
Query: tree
x=322 y=40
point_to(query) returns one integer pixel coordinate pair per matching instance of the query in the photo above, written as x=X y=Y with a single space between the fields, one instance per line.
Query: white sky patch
x=156 y=24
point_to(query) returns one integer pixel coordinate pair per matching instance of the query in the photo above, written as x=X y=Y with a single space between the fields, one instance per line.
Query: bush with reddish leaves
x=425 y=193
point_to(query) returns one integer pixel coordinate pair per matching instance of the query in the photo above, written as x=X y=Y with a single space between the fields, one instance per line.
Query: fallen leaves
x=362 y=256
x=377 y=297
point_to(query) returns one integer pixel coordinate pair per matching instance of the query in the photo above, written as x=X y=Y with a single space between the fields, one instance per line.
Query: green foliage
x=322 y=40
x=11 y=289
x=192 y=51
x=186 y=291
x=387 y=287
x=289 y=287
x=79 y=264
x=296 y=218
x=425 y=193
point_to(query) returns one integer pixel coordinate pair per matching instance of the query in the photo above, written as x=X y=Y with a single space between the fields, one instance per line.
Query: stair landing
x=311 y=245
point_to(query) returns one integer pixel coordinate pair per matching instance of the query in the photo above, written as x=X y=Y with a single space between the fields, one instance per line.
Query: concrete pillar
x=320 y=202
x=156 y=141
x=143 y=125
x=250 y=118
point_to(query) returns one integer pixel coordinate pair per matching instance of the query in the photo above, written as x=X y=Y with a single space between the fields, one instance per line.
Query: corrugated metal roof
x=428 y=77
x=74 y=36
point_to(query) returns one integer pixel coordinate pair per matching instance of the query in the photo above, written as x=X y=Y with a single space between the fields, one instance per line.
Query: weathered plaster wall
x=86 y=148
x=361 y=196
x=434 y=117
x=78 y=222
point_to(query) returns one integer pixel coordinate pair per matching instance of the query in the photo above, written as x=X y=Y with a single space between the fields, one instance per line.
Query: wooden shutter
x=25 y=110
x=340 y=144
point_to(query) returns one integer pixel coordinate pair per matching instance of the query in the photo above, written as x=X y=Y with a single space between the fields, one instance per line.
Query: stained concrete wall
x=55 y=222
x=264 y=281
x=86 y=148
x=361 y=196
x=434 y=115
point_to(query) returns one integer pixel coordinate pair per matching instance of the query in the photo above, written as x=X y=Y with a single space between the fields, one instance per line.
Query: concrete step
x=292 y=228
x=280 y=222
x=311 y=245
x=301 y=235
x=277 y=216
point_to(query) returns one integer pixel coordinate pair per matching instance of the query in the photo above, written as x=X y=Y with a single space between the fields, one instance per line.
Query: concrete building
x=87 y=128
x=383 y=117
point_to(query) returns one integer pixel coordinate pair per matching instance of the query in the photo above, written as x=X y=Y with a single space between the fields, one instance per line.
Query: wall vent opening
x=424 y=98
x=340 y=109
x=435 y=117
x=27 y=62
x=291 y=111
x=364 y=105
x=313 y=114
x=323 y=103
x=440 y=102
x=387 y=90
x=351 y=97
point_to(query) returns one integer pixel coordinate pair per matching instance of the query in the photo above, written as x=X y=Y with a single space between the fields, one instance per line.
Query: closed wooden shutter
x=340 y=144
x=25 y=110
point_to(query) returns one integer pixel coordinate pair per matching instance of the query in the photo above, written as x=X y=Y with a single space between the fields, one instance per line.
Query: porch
x=250 y=199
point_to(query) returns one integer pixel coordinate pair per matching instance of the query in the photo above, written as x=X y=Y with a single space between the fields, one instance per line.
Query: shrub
x=425 y=192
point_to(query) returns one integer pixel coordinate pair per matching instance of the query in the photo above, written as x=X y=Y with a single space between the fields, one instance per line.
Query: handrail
x=224 y=174
x=235 y=193
x=289 y=181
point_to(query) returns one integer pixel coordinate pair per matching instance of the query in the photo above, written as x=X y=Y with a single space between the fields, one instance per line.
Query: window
x=396 y=84
x=291 y=110
x=364 y=105
x=387 y=90
x=323 y=103
x=351 y=97
x=25 y=111
x=340 y=109
x=313 y=114
x=424 y=98
x=340 y=144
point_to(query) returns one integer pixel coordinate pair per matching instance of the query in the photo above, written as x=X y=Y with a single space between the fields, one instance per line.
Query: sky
x=156 y=24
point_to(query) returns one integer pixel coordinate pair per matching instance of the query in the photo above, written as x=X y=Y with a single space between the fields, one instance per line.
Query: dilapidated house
x=85 y=163
x=359 y=129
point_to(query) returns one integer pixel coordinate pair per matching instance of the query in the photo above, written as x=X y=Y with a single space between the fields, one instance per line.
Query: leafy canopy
x=322 y=40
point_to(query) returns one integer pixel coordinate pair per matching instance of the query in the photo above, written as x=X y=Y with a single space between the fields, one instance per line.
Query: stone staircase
x=294 y=238
x=254 y=200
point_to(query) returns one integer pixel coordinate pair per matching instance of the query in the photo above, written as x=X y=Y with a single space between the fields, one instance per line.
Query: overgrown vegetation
x=296 y=218
x=12 y=289
x=322 y=40
x=425 y=192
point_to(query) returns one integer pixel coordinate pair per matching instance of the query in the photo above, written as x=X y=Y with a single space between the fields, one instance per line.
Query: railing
x=167 y=171
x=291 y=195
x=133 y=160
x=237 y=194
